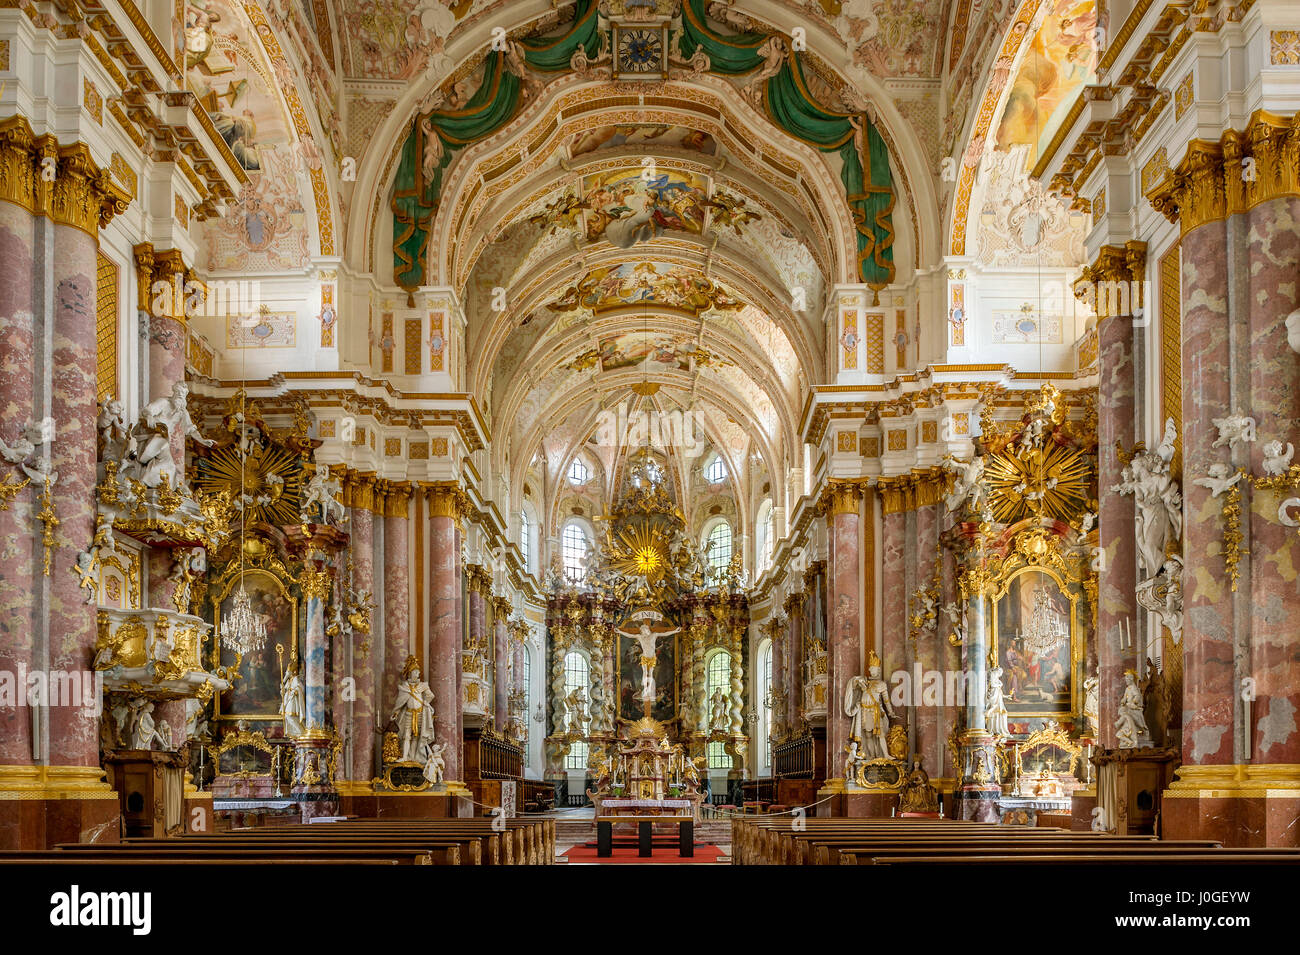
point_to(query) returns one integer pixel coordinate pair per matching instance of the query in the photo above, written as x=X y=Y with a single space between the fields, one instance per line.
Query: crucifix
x=646 y=638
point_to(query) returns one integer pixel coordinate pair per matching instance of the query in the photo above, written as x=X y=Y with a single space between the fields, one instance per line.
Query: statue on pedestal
x=1131 y=724
x=718 y=711
x=866 y=702
x=995 y=708
x=413 y=714
x=917 y=795
x=293 y=703
x=576 y=709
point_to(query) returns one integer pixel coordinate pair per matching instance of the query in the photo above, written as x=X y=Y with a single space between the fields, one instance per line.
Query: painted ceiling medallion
x=646 y=388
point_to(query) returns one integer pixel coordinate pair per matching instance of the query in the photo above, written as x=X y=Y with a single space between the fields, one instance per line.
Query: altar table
x=645 y=831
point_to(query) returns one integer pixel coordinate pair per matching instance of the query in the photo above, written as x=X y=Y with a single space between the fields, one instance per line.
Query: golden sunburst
x=1024 y=482
x=272 y=476
x=640 y=550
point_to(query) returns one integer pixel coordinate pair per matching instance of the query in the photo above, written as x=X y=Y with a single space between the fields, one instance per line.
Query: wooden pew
x=250 y=855
x=532 y=841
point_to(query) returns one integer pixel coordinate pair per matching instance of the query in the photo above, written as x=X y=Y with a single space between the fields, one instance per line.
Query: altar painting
x=1036 y=643
x=256 y=694
x=628 y=679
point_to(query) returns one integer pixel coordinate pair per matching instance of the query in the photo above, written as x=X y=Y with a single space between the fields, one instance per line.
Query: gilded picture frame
x=1031 y=682
x=259 y=684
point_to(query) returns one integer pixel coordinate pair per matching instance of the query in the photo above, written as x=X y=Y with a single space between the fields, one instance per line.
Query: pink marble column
x=1117 y=577
x=20 y=568
x=362 y=721
x=780 y=641
x=927 y=742
x=1273 y=273
x=1209 y=683
x=501 y=664
x=844 y=644
x=74 y=730
x=445 y=643
x=168 y=337
x=895 y=593
x=794 y=663
x=397 y=596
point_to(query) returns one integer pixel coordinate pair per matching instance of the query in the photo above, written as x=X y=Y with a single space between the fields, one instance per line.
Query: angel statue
x=321 y=490
x=1220 y=478
x=968 y=486
x=435 y=765
x=1234 y=429
x=866 y=702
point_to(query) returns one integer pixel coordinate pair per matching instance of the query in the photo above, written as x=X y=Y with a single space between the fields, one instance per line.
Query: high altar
x=649 y=611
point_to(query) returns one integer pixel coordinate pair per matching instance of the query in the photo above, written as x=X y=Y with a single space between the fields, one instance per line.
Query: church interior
x=691 y=431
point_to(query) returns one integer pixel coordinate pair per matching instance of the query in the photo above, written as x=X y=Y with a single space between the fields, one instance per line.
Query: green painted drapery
x=865 y=173
x=869 y=189
x=415 y=196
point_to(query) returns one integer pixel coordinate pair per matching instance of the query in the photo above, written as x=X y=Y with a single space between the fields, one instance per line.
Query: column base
x=1239 y=805
x=978 y=803
x=853 y=802
x=42 y=806
x=382 y=805
x=1082 y=802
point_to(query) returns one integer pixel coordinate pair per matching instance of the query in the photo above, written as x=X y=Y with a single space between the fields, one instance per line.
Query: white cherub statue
x=1220 y=478
x=1233 y=430
x=1276 y=459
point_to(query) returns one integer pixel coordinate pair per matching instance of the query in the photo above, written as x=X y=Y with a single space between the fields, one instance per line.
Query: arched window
x=578 y=472
x=526 y=541
x=719 y=677
x=528 y=691
x=577 y=674
x=573 y=543
x=764 y=531
x=763 y=694
x=716 y=471
x=720 y=552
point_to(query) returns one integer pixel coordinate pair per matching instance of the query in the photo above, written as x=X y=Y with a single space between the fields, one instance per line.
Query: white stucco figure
x=322 y=490
x=718 y=711
x=413 y=714
x=293 y=703
x=866 y=702
x=1277 y=459
x=1131 y=724
x=435 y=765
x=995 y=706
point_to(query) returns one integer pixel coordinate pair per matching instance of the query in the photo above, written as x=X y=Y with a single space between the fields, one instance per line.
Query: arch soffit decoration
x=1012 y=49
x=377 y=167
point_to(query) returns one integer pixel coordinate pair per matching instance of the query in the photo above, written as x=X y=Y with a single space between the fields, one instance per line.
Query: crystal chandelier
x=1046 y=630
x=245 y=631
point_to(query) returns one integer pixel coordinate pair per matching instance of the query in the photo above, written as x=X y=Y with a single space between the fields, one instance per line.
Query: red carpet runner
x=623 y=856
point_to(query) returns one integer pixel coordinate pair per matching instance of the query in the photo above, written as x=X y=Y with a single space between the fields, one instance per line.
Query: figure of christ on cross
x=646 y=638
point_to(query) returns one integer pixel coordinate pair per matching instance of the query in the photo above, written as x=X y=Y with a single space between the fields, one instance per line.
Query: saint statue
x=576 y=706
x=1131 y=724
x=718 y=711
x=413 y=715
x=995 y=707
x=293 y=703
x=866 y=701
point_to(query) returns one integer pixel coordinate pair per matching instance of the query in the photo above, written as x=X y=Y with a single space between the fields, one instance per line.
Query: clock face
x=640 y=50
